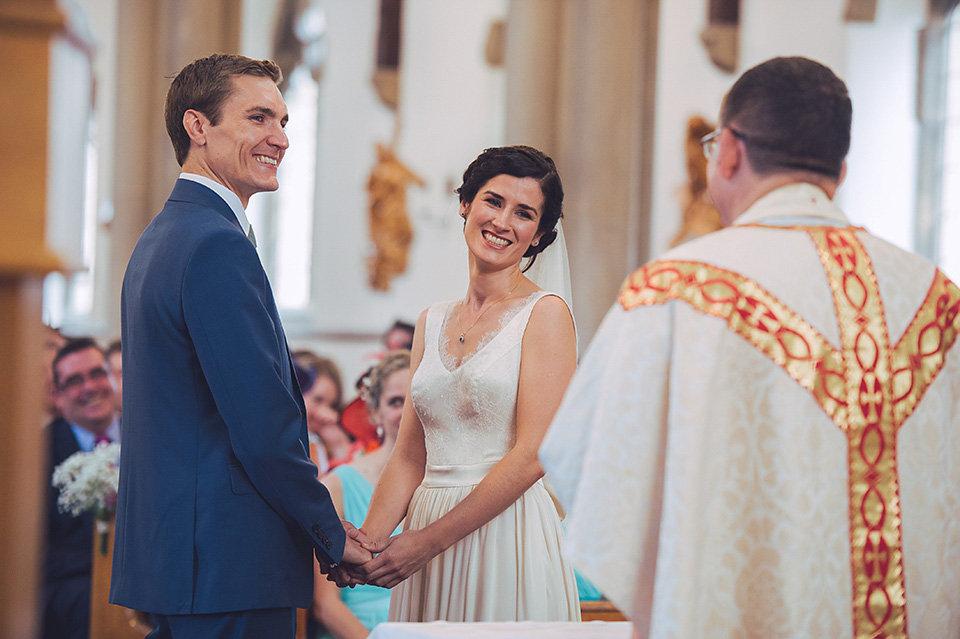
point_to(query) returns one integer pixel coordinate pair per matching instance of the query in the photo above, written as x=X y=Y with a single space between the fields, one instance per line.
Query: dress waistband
x=438 y=476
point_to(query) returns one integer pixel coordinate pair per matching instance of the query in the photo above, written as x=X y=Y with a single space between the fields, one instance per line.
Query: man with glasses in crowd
x=84 y=397
x=768 y=421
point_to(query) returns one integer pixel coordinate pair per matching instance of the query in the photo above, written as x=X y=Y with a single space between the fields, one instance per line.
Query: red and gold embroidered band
x=867 y=387
x=879 y=597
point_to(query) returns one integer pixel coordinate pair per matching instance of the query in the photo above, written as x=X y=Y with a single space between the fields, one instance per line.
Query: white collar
x=798 y=203
x=228 y=196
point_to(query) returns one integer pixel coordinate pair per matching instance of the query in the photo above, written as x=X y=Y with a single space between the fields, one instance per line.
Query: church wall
x=881 y=71
x=876 y=59
x=450 y=108
x=453 y=104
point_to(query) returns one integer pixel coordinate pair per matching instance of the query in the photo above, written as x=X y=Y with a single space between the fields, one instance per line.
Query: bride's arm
x=328 y=605
x=405 y=468
x=548 y=362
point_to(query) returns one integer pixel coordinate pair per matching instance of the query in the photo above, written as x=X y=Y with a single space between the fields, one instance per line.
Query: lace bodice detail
x=469 y=412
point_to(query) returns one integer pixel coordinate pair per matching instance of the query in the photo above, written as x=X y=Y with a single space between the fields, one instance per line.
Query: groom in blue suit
x=219 y=505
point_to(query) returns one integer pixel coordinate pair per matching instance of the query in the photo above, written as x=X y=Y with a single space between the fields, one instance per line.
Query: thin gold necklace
x=460 y=314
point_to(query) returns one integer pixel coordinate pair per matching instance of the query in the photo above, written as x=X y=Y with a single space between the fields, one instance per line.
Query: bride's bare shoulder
x=551 y=308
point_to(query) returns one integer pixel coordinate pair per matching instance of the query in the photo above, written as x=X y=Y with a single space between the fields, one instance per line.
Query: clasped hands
x=384 y=562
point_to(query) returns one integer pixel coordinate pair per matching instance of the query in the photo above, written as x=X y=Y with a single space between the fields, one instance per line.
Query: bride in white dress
x=481 y=540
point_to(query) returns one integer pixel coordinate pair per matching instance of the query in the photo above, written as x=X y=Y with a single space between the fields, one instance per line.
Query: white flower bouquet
x=88 y=482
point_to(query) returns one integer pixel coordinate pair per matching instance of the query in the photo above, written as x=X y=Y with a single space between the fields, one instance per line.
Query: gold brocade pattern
x=920 y=353
x=879 y=595
x=867 y=387
x=752 y=313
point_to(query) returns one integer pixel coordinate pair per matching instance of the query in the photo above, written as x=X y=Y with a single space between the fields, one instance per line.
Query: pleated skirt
x=510 y=569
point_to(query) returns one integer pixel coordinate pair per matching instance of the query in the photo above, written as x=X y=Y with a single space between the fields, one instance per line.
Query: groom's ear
x=195 y=124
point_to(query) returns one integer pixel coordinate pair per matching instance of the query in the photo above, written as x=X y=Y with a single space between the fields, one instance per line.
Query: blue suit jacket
x=219 y=505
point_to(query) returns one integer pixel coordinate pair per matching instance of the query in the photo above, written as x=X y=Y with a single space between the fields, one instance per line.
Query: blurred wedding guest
x=481 y=536
x=763 y=439
x=355 y=418
x=84 y=399
x=53 y=341
x=324 y=403
x=356 y=421
x=351 y=613
x=399 y=336
x=115 y=359
x=318 y=453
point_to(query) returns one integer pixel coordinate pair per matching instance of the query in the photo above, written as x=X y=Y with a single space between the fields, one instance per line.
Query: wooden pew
x=108 y=621
x=600 y=611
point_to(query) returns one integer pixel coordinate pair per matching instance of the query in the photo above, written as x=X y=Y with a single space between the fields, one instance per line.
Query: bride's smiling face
x=503 y=219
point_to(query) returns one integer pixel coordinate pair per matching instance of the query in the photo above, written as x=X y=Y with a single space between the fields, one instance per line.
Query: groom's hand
x=346 y=574
x=353 y=532
x=354 y=554
x=399 y=557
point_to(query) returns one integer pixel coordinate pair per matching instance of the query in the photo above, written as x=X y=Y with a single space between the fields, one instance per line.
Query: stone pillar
x=533 y=54
x=155 y=39
x=26 y=30
x=581 y=78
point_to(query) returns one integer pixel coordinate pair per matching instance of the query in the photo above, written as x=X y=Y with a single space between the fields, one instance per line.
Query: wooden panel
x=26 y=29
x=25 y=34
x=108 y=621
x=22 y=483
x=600 y=611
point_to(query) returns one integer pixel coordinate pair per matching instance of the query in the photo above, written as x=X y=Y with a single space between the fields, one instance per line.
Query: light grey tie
x=252 y=236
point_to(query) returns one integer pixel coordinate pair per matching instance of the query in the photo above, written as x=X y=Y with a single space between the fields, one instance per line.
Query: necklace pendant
x=461 y=338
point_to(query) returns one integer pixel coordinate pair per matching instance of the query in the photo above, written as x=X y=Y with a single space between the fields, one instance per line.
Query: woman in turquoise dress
x=351 y=613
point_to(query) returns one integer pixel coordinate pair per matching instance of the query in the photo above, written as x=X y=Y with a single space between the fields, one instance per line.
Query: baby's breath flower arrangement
x=88 y=482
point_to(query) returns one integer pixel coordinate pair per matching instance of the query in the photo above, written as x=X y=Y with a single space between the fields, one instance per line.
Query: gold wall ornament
x=390 y=227
x=868 y=387
x=699 y=215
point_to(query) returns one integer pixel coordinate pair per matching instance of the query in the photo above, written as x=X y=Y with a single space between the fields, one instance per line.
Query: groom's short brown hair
x=204 y=85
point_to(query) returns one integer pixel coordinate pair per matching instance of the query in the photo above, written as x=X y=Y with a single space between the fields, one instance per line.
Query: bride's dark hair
x=521 y=162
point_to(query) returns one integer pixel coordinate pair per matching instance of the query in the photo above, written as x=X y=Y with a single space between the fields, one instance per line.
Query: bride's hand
x=399 y=557
x=374 y=547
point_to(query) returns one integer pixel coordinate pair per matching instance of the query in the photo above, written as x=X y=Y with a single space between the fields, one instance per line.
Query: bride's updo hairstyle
x=520 y=162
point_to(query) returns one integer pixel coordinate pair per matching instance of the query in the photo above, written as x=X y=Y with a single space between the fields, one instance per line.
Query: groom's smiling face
x=244 y=149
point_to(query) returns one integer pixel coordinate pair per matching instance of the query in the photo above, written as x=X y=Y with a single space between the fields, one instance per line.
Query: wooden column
x=26 y=30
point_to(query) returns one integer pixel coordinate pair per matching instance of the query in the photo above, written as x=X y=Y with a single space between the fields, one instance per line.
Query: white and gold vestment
x=763 y=439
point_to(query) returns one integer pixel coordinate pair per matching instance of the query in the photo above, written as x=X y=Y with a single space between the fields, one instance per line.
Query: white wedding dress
x=510 y=569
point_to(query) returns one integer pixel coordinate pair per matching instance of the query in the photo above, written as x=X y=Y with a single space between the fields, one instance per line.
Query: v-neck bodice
x=468 y=411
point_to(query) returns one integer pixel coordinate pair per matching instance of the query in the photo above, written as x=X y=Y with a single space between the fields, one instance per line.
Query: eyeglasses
x=709 y=142
x=76 y=381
